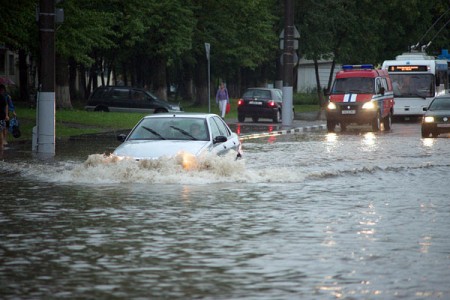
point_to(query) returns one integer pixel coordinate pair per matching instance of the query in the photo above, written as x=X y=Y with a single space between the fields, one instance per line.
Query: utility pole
x=288 y=63
x=44 y=143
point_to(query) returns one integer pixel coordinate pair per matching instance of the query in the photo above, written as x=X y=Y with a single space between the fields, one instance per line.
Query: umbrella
x=6 y=81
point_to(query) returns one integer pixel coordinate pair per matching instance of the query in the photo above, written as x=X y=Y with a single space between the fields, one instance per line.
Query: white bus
x=417 y=78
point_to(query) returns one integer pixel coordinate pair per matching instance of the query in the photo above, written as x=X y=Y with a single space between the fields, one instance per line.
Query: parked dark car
x=259 y=103
x=436 y=119
x=128 y=99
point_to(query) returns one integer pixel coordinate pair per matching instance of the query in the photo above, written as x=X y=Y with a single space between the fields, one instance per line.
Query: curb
x=282 y=132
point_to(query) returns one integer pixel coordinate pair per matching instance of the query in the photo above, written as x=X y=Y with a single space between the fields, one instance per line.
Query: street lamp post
x=44 y=133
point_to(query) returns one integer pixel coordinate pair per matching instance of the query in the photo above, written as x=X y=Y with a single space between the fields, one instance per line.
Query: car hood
x=350 y=97
x=140 y=149
x=169 y=105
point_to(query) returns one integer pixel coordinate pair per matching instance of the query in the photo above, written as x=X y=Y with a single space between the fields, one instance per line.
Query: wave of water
x=109 y=169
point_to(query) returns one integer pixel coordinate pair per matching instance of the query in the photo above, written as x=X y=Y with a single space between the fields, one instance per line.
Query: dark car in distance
x=258 y=103
x=128 y=99
x=436 y=119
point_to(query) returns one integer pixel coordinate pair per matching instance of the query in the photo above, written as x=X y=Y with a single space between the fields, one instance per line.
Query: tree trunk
x=186 y=85
x=82 y=82
x=319 y=88
x=62 y=93
x=330 y=78
x=201 y=83
x=73 y=78
x=160 y=78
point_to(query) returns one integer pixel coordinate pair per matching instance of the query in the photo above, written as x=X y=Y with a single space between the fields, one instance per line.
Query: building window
x=12 y=65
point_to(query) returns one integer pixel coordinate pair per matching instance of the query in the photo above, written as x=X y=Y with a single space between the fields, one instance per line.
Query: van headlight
x=369 y=105
x=331 y=106
x=429 y=119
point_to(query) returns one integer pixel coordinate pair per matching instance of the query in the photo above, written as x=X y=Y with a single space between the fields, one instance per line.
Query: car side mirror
x=220 y=139
x=121 y=137
x=425 y=108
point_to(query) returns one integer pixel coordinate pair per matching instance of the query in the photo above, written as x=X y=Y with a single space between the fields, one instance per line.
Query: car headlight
x=369 y=105
x=429 y=119
x=331 y=105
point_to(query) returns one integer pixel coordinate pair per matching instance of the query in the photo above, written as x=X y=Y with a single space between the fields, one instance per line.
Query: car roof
x=121 y=87
x=181 y=115
x=262 y=88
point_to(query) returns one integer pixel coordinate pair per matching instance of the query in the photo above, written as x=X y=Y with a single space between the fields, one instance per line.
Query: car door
x=142 y=101
x=120 y=99
x=219 y=128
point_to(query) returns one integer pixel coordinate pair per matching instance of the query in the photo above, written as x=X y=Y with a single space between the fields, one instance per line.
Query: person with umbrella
x=3 y=114
x=11 y=110
x=6 y=81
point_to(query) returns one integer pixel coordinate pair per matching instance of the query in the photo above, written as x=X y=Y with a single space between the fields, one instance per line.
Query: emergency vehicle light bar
x=357 y=67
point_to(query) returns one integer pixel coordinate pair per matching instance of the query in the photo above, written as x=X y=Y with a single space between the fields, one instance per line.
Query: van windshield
x=356 y=85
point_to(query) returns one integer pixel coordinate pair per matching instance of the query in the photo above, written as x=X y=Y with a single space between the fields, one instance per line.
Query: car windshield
x=362 y=85
x=440 y=104
x=194 y=129
x=255 y=93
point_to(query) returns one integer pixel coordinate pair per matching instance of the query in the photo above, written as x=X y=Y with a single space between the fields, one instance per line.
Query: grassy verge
x=78 y=121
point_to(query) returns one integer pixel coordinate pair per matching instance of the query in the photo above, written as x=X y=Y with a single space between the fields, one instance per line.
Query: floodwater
x=314 y=215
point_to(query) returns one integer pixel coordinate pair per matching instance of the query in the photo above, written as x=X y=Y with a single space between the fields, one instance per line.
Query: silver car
x=166 y=135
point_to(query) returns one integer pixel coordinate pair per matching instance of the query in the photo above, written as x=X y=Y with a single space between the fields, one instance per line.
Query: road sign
x=207 y=47
x=296 y=38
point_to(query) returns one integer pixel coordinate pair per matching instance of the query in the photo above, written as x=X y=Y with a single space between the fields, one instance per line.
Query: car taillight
x=271 y=103
x=240 y=102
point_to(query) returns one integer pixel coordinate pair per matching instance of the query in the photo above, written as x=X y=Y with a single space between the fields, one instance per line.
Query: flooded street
x=314 y=215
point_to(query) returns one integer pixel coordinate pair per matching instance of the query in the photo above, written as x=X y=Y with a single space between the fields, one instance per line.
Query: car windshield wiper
x=154 y=132
x=183 y=132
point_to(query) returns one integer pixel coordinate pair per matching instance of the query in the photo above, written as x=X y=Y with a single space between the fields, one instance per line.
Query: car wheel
x=241 y=118
x=255 y=119
x=101 y=108
x=376 y=123
x=425 y=132
x=387 y=122
x=277 y=117
x=331 y=126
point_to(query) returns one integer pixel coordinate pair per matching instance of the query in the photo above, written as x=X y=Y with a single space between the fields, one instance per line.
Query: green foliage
x=141 y=35
x=305 y=98
x=86 y=27
x=18 y=28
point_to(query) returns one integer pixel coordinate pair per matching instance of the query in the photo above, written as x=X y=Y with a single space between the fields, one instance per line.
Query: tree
x=241 y=35
x=87 y=26
x=357 y=32
x=18 y=31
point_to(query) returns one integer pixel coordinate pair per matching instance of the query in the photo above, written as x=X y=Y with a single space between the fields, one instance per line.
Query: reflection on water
x=310 y=216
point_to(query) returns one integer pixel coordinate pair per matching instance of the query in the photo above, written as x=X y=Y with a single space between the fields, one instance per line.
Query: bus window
x=407 y=85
